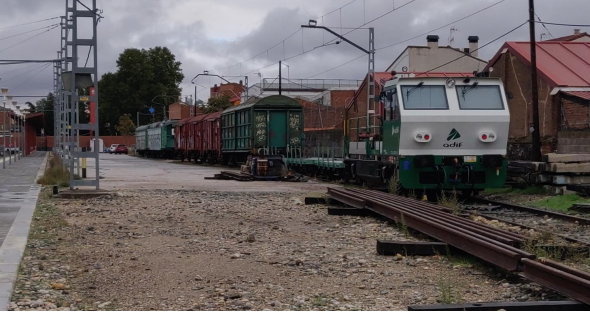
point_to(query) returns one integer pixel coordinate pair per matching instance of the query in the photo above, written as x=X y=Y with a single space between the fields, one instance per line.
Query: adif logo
x=394 y=130
x=453 y=135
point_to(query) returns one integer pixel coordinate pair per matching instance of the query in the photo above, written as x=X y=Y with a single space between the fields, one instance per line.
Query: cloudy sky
x=233 y=37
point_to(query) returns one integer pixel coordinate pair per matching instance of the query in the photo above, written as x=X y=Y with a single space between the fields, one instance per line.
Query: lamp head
x=312 y=23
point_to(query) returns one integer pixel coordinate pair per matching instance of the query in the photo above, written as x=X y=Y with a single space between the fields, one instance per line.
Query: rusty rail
x=490 y=244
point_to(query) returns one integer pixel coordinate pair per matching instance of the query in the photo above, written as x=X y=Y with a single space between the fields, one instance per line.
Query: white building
x=430 y=57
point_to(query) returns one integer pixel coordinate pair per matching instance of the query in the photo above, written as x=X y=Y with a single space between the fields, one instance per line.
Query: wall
x=516 y=78
x=325 y=142
x=230 y=89
x=178 y=111
x=421 y=59
x=401 y=61
x=575 y=113
x=46 y=142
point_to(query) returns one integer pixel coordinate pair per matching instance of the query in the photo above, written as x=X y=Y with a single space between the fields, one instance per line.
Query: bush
x=54 y=174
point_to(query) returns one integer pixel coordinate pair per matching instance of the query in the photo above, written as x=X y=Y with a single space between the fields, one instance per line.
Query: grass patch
x=560 y=202
x=450 y=201
x=55 y=174
x=319 y=301
x=393 y=185
x=47 y=218
x=449 y=290
x=529 y=190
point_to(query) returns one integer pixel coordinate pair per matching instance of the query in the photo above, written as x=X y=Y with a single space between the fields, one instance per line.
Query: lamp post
x=371 y=68
x=9 y=99
x=13 y=129
x=4 y=92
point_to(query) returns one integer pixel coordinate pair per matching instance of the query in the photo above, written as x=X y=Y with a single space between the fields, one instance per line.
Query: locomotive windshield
x=424 y=97
x=478 y=97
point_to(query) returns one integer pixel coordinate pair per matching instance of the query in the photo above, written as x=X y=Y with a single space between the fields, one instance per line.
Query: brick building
x=564 y=92
x=233 y=90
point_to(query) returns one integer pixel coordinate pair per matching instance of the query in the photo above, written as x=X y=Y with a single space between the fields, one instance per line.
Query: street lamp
x=371 y=69
x=4 y=92
x=13 y=137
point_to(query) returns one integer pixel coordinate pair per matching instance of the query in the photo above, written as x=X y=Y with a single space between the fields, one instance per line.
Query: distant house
x=564 y=92
x=432 y=56
x=577 y=36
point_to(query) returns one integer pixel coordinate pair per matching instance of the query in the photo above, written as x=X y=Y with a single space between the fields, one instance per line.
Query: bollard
x=83 y=168
x=55 y=190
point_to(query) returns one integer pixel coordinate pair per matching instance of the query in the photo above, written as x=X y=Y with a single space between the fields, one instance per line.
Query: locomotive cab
x=441 y=133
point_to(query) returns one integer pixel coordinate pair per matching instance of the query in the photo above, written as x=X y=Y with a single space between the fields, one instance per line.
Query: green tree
x=217 y=104
x=126 y=126
x=141 y=76
x=46 y=107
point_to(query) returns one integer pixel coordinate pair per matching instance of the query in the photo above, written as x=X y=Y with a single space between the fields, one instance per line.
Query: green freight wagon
x=271 y=125
x=156 y=140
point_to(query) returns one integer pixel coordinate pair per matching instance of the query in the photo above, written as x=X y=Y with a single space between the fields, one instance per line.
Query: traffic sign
x=152 y=110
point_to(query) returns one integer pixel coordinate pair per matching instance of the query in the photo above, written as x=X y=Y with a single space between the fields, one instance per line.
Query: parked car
x=120 y=149
x=113 y=147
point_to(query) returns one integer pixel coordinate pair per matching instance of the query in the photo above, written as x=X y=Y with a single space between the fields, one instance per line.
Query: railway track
x=493 y=245
x=569 y=228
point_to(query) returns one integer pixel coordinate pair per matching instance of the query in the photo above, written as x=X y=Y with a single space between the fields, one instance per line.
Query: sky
x=248 y=37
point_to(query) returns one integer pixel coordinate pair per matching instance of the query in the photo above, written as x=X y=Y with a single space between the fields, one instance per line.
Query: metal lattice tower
x=75 y=75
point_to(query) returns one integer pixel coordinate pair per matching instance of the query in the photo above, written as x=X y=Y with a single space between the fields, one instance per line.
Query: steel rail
x=444 y=213
x=500 y=254
x=541 y=212
x=563 y=279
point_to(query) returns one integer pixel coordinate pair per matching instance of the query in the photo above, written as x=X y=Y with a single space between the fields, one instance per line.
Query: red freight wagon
x=211 y=134
x=193 y=145
x=180 y=138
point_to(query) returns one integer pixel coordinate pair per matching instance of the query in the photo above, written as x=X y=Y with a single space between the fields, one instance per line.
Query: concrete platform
x=18 y=199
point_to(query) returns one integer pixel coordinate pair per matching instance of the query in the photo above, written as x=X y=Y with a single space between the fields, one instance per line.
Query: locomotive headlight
x=423 y=137
x=419 y=137
x=487 y=136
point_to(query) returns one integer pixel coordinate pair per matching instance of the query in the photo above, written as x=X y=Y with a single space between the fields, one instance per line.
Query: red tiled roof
x=560 y=63
x=570 y=37
x=442 y=74
x=580 y=94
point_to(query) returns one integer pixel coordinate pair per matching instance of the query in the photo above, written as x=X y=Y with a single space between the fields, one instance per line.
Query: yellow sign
x=84 y=99
x=237 y=103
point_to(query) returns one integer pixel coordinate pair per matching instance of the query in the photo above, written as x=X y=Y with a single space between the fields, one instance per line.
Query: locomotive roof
x=273 y=101
x=442 y=80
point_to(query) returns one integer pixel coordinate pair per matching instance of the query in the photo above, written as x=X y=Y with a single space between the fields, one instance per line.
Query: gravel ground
x=182 y=250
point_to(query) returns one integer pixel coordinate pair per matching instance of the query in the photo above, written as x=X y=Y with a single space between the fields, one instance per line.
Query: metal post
x=4 y=132
x=138 y=119
x=371 y=79
x=280 y=79
x=536 y=153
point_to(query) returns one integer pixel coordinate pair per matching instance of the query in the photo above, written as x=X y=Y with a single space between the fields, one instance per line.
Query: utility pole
x=536 y=152
x=280 y=78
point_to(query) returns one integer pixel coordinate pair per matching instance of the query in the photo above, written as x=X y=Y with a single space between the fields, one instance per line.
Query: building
x=432 y=56
x=577 y=36
x=178 y=110
x=232 y=90
x=564 y=94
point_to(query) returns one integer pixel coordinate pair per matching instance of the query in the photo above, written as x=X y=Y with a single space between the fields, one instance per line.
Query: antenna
x=452 y=32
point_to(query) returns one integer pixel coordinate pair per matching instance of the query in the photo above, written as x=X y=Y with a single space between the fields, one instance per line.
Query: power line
x=39 y=34
x=21 y=68
x=561 y=24
x=539 y=18
x=446 y=25
x=87 y=8
x=409 y=39
x=464 y=55
x=280 y=42
x=37 y=73
x=47 y=19
x=36 y=66
x=30 y=31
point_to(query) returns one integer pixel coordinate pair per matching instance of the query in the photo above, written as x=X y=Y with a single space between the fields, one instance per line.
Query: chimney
x=473 y=45
x=432 y=41
x=576 y=31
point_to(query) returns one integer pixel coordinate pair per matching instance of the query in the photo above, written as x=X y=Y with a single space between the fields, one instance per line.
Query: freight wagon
x=261 y=126
x=156 y=139
x=198 y=138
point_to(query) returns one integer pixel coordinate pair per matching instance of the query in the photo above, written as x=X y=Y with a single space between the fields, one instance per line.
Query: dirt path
x=179 y=250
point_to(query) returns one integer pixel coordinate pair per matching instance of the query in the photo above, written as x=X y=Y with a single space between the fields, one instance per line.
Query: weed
x=451 y=202
x=450 y=291
x=412 y=194
x=320 y=301
x=402 y=226
x=393 y=186
x=55 y=174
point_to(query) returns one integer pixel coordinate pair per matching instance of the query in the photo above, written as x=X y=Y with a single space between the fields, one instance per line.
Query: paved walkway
x=18 y=199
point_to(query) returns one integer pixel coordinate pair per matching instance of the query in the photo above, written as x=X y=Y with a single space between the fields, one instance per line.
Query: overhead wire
x=29 y=31
x=18 y=43
x=23 y=24
x=35 y=66
x=17 y=69
x=481 y=47
x=547 y=29
x=27 y=80
x=87 y=8
x=409 y=39
x=563 y=24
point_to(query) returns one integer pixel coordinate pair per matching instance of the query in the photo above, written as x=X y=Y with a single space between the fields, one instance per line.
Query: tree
x=31 y=106
x=217 y=104
x=46 y=107
x=141 y=76
x=126 y=126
